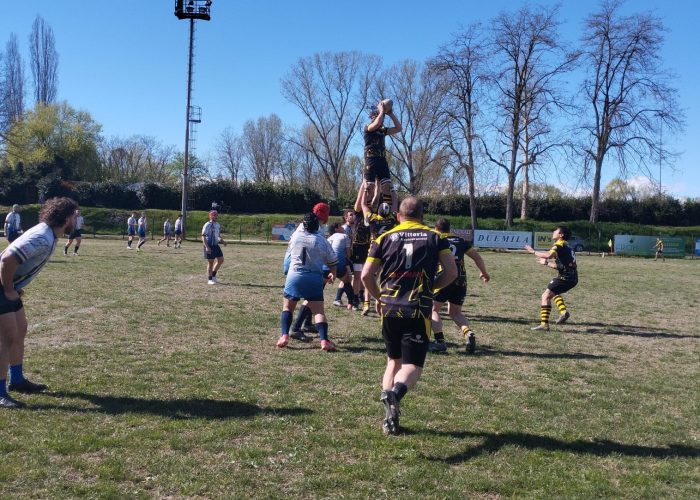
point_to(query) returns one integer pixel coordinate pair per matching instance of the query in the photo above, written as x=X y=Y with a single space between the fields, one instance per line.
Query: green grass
x=163 y=386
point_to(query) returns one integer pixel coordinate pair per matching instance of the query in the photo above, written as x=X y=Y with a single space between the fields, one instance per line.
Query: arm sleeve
x=35 y=245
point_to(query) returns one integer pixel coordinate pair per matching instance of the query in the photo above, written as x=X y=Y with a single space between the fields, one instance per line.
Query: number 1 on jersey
x=408 y=247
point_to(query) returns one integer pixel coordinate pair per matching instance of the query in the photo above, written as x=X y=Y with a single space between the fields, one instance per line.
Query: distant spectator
x=13 y=226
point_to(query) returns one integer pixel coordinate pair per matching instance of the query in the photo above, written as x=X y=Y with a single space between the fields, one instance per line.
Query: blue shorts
x=178 y=232
x=77 y=233
x=142 y=233
x=131 y=231
x=307 y=286
x=214 y=254
x=12 y=235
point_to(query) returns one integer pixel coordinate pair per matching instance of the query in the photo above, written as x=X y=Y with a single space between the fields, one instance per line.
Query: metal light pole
x=195 y=9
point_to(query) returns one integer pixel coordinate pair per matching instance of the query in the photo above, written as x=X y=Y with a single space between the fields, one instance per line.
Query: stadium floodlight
x=192 y=10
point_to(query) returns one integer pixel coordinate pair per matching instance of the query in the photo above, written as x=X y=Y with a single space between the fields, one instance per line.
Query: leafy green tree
x=57 y=133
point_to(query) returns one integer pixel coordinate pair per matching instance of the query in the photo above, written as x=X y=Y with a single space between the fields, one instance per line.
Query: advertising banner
x=502 y=239
x=465 y=234
x=645 y=246
x=543 y=241
x=282 y=232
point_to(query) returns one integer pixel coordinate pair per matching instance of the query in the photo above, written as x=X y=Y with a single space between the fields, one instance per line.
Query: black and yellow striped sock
x=559 y=301
x=544 y=315
x=466 y=331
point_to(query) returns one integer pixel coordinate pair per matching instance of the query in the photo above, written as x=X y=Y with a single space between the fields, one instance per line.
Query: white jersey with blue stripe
x=79 y=221
x=166 y=226
x=178 y=224
x=308 y=252
x=130 y=223
x=212 y=231
x=142 y=223
x=33 y=250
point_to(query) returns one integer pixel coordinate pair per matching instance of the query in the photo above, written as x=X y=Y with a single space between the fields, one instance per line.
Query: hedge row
x=108 y=221
x=270 y=198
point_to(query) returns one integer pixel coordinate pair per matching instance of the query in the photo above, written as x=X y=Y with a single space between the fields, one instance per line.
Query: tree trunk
x=526 y=193
x=509 y=200
x=595 y=197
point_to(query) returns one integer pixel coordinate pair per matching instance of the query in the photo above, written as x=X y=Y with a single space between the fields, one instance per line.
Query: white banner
x=502 y=239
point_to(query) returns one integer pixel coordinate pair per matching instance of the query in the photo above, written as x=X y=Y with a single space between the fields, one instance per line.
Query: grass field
x=163 y=386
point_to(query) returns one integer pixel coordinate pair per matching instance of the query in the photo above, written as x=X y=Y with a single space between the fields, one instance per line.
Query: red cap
x=213 y=212
x=322 y=211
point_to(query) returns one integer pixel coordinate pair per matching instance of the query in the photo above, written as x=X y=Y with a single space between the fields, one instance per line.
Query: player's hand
x=224 y=242
x=378 y=307
x=485 y=277
x=529 y=249
x=542 y=261
x=330 y=278
x=12 y=295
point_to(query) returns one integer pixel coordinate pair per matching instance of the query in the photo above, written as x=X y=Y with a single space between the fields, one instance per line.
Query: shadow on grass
x=177 y=409
x=632 y=331
x=257 y=285
x=486 y=351
x=601 y=447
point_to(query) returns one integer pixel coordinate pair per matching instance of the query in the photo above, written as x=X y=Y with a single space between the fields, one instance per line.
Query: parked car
x=578 y=244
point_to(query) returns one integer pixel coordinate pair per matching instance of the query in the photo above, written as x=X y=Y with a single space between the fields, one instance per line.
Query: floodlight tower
x=192 y=10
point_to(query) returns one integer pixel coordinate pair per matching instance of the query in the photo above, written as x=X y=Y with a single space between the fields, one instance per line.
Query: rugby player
x=340 y=243
x=166 y=232
x=376 y=165
x=348 y=224
x=13 y=225
x=20 y=263
x=455 y=292
x=178 y=231
x=565 y=263
x=76 y=234
x=211 y=237
x=130 y=230
x=141 y=231
x=407 y=258
x=306 y=254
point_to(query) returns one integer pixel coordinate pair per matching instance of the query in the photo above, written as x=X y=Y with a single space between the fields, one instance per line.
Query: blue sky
x=125 y=61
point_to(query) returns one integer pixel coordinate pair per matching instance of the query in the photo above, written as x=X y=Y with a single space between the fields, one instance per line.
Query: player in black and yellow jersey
x=376 y=165
x=361 y=239
x=407 y=259
x=379 y=220
x=564 y=262
x=455 y=292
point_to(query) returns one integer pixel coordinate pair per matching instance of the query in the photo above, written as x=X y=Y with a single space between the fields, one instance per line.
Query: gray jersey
x=308 y=252
x=79 y=221
x=33 y=250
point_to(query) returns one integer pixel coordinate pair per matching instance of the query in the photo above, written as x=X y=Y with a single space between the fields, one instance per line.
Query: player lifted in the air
x=376 y=165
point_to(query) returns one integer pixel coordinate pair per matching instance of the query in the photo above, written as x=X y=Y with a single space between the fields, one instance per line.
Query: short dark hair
x=442 y=225
x=412 y=208
x=56 y=211
x=334 y=227
x=565 y=231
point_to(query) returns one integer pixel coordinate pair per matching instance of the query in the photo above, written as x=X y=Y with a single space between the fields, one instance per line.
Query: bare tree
x=331 y=90
x=43 y=61
x=262 y=146
x=628 y=93
x=230 y=155
x=461 y=65
x=529 y=57
x=137 y=159
x=11 y=84
x=418 y=95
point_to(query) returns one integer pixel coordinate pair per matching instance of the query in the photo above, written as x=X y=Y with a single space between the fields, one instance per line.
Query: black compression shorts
x=406 y=339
